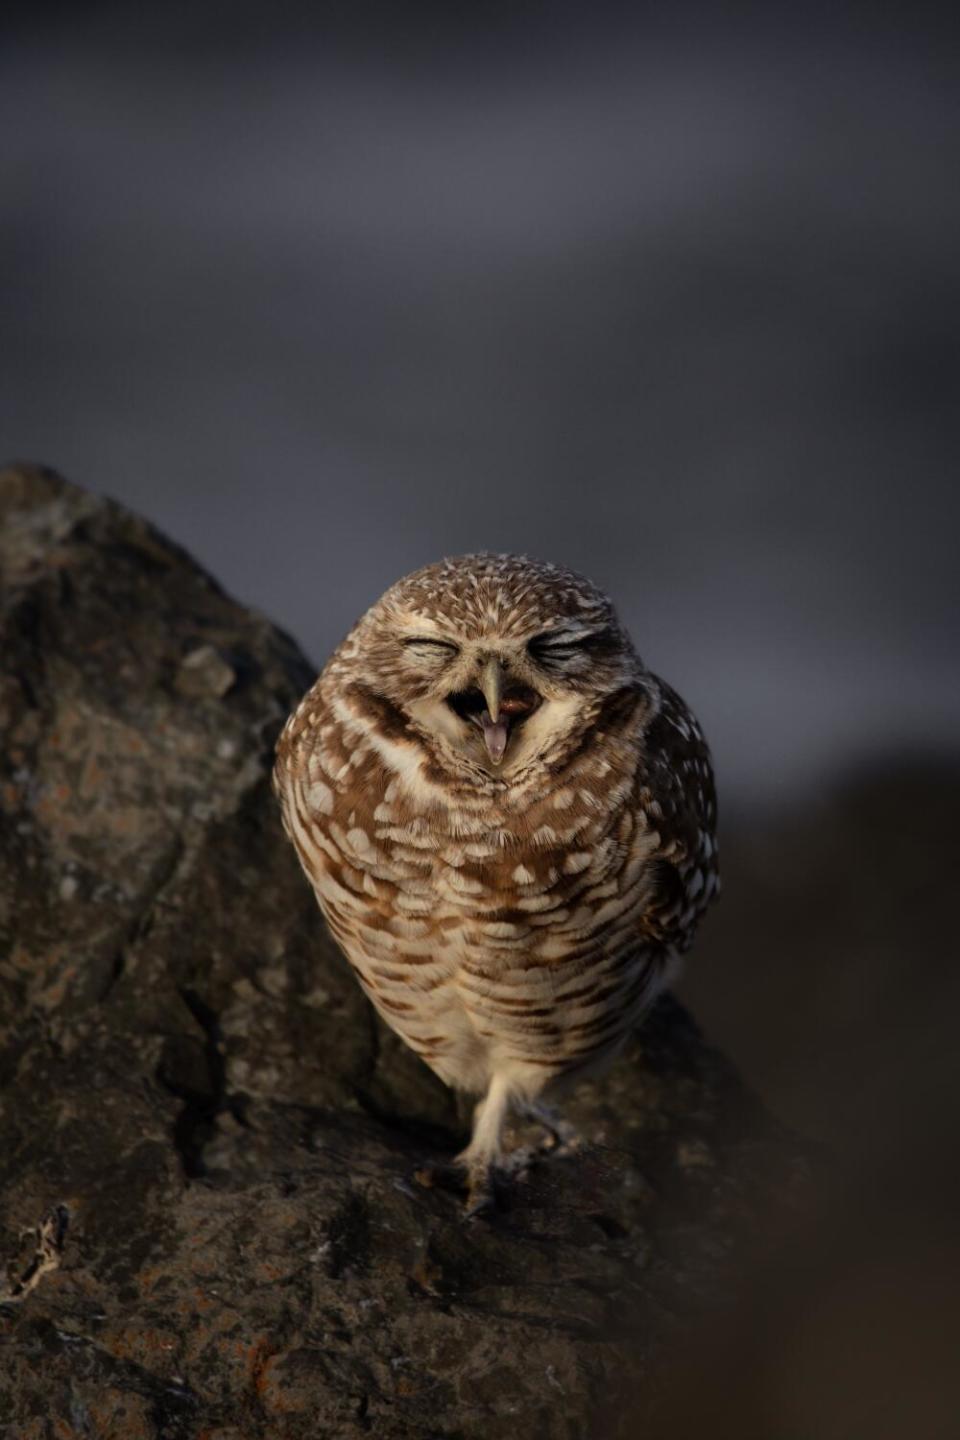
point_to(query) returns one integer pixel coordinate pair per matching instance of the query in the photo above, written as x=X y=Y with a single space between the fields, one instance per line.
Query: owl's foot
x=561 y=1137
x=465 y=1176
x=442 y=1175
x=481 y=1193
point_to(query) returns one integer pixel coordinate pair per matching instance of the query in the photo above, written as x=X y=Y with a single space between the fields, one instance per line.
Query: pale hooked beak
x=495 y=731
x=491 y=683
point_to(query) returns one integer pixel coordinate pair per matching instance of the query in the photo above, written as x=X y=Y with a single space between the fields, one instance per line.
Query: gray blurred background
x=669 y=296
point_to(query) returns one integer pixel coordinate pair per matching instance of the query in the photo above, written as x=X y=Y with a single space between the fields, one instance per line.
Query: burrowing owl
x=508 y=822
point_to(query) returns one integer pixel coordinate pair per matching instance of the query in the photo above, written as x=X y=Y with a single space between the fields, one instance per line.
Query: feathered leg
x=482 y=1155
x=473 y=1169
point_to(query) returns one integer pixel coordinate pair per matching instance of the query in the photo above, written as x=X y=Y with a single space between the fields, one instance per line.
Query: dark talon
x=481 y=1198
x=475 y=1182
x=442 y=1175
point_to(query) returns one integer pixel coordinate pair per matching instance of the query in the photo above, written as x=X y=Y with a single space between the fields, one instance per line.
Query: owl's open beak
x=495 y=709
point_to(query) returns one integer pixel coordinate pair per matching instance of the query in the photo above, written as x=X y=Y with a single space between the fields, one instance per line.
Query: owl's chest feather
x=480 y=880
x=526 y=924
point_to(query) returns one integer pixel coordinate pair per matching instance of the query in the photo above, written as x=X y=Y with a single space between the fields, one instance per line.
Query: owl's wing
x=676 y=791
x=296 y=757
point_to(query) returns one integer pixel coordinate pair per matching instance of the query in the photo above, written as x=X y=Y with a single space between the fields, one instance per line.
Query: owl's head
x=494 y=659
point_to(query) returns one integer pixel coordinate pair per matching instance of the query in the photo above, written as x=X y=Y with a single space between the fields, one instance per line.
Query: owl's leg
x=561 y=1135
x=473 y=1169
x=481 y=1156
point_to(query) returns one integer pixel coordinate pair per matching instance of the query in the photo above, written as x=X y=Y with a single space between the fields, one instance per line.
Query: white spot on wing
x=319 y=798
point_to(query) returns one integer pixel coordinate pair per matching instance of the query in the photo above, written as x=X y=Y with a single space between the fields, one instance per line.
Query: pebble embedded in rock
x=205 y=673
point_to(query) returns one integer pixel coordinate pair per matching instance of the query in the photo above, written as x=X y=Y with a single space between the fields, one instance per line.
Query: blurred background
x=670 y=295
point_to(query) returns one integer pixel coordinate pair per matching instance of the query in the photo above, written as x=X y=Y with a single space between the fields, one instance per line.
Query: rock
x=207 y=1216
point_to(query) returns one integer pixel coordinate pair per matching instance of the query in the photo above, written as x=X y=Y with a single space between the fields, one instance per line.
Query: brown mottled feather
x=512 y=923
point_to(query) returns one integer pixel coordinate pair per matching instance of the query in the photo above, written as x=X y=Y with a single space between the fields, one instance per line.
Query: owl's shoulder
x=677 y=758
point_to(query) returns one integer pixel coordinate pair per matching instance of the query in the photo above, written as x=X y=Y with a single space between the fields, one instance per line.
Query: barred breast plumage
x=509 y=824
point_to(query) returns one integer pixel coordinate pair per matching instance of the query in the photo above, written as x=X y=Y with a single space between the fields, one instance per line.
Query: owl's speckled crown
x=514 y=594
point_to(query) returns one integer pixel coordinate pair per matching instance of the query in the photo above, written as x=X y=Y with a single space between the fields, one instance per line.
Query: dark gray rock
x=207 y=1218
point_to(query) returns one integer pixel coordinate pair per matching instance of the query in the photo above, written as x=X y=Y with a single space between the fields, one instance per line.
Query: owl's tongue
x=495 y=735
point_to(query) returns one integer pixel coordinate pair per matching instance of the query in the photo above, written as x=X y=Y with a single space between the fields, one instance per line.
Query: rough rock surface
x=208 y=1225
